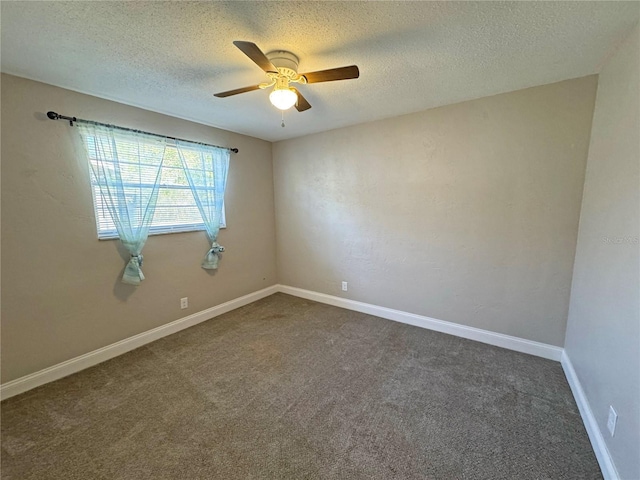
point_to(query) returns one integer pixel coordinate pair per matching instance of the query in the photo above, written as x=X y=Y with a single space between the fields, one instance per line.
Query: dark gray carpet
x=286 y=388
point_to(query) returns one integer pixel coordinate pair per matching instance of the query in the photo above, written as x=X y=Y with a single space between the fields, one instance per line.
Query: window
x=176 y=209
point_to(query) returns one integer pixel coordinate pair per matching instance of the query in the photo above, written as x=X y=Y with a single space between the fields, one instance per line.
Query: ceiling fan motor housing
x=286 y=62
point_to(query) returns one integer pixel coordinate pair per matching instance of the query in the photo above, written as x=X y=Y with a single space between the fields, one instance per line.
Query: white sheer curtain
x=126 y=168
x=206 y=169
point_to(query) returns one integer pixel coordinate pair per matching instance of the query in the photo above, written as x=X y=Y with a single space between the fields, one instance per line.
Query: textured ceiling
x=170 y=57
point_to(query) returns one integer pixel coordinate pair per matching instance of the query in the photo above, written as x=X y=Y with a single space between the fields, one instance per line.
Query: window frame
x=153 y=230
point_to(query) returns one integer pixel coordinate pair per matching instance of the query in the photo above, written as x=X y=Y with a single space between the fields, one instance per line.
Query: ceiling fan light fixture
x=283 y=99
x=281 y=68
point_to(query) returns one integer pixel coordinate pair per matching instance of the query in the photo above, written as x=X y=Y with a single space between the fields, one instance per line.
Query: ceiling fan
x=282 y=69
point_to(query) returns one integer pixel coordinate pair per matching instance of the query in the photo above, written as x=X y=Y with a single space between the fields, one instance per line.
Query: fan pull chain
x=282 y=124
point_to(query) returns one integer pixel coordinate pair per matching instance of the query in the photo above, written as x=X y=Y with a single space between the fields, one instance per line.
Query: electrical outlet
x=344 y=286
x=184 y=303
x=613 y=419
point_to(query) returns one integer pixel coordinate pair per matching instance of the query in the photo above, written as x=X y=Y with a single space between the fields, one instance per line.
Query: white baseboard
x=605 y=461
x=90 y=359
x=485 y=336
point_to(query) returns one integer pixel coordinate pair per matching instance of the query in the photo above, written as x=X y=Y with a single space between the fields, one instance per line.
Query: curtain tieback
x=133 y=273
x=210 y=261
x=215 y=248
x=139 y=258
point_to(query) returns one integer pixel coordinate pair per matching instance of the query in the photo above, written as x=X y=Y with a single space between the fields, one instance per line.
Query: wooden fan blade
x=301 y=104
x=342 y=73
x=228 y=93
x=252 y=51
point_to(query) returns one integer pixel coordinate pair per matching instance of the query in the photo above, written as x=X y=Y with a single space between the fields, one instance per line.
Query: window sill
x=164 y=232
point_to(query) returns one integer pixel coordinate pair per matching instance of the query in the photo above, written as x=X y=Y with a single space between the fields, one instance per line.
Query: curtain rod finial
x=234 y=150
x=52 y=115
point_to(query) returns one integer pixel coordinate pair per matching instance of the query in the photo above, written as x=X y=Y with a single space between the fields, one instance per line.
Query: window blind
x=176 y=209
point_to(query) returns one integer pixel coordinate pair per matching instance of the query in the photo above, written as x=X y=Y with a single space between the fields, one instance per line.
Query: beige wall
x=466 y=213
x=603 y=334
x=61 y=295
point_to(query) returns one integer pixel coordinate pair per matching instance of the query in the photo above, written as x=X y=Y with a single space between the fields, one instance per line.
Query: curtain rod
x=57 y=116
